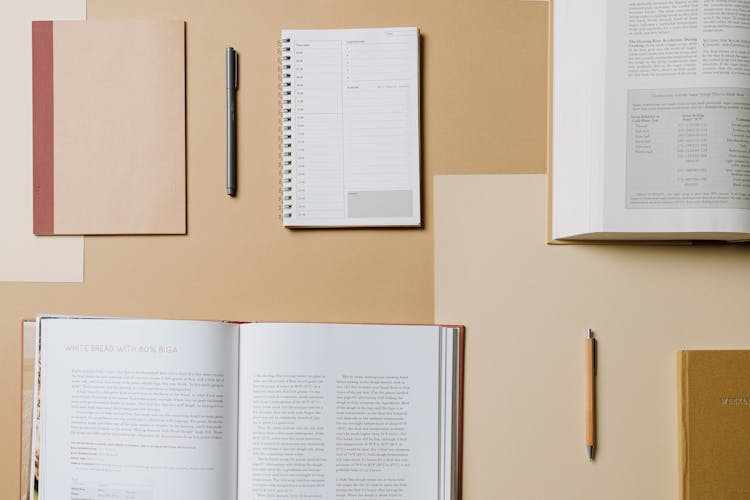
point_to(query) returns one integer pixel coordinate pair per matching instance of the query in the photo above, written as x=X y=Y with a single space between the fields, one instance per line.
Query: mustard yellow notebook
x=714 y=424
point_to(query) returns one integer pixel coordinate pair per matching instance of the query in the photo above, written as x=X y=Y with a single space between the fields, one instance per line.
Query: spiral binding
x=286 y=162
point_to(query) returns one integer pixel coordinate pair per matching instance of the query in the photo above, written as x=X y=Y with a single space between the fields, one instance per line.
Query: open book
x=651 y=120
x=191 y=410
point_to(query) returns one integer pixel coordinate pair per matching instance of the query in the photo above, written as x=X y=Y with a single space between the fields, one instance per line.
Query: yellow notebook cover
x=714 y=424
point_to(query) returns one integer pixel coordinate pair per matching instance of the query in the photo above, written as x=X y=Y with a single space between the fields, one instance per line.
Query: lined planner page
x=354 y=126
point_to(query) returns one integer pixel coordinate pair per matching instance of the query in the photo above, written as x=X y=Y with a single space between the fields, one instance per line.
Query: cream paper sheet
x=23 y=256
x=526 y=306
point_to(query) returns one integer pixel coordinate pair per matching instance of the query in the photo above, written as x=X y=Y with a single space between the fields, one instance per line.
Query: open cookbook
x=169 y=409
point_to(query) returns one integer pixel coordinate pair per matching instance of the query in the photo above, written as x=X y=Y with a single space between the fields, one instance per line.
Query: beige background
x=483 y=111
x=526 y=306
x=23 y=256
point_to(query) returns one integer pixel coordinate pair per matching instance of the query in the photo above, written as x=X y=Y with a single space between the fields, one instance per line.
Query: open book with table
x=650 y=120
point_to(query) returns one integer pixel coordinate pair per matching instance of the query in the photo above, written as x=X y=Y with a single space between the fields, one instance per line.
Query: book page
x=578 y=58
x=678 y=116
x=338 y=411
x=354 y=116
x=138 y=409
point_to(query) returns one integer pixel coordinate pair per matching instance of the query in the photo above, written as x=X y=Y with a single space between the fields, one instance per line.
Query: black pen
x=232 y=70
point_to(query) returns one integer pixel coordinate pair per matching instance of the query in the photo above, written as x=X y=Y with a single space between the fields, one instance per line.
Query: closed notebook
x=714 y=424
x=109 y=127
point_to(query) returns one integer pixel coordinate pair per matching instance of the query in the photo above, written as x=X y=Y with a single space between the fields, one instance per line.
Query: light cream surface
x=119 y=91
x=526 y=306
x=483 y=110
x=23 y=256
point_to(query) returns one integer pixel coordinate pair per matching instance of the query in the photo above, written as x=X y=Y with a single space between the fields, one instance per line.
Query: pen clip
x=236 y=71
x=594 y=356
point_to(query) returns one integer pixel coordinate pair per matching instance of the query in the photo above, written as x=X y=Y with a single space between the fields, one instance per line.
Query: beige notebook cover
x=109 y=127
x=714 y=424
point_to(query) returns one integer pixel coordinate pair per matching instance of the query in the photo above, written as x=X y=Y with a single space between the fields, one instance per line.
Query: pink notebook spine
x=43 y=128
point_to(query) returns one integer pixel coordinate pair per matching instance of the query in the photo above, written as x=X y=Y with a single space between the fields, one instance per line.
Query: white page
x=677 y=118
x=23 y=256
x=138 y=409
x=354 y=118
x=308 y=393
x=579 y=52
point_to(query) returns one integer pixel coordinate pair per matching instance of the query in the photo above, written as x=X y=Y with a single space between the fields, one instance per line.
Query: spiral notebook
x=350 y=127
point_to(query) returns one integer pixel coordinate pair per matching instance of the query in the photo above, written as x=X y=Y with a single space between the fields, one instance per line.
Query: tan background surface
x=483 y=111
x=526 y=306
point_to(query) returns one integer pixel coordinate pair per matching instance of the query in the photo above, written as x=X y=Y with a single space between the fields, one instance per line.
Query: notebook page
x=354 y=118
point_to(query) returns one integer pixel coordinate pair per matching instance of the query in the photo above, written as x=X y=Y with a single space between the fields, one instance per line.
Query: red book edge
x=22 y=479
x=43 y=125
